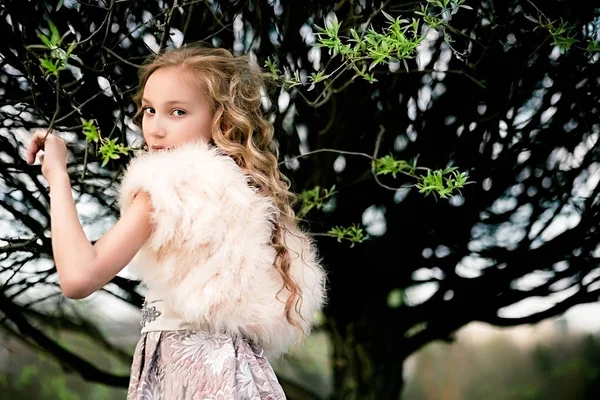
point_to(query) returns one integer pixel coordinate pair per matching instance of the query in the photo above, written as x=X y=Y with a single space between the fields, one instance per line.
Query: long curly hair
x=234 y=86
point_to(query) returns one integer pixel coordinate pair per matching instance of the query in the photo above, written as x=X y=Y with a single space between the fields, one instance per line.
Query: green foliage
x=109 y=148
x=441 y=11
x=354 y=233
x=360 y=52
x=90 y=130
x=100 y=393
x=500 y=367
x=436 y=181
x=593 y=46
x=363 y=52
x=28 y=372
x=58 y=389
x=3 y=382
x=389 y=165
x=441 y=182
x=314 y=198
x=562 y=34
x=398 y=41
x=287 y=79
x=54 y=60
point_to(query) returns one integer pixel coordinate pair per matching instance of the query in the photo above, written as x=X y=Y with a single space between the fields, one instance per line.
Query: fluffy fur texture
x=209 y=256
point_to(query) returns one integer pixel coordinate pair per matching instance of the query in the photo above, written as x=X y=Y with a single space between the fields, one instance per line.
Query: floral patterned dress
x=173 y=361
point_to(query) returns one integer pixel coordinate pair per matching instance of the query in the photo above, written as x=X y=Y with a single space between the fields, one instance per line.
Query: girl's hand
x=54 y=159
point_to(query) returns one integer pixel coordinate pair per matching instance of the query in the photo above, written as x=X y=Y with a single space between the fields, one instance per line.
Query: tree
x=506 y=91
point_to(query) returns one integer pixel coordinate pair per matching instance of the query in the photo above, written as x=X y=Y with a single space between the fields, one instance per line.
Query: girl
x=207 y=223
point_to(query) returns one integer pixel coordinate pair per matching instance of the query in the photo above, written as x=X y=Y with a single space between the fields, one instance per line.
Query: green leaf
x=122 y=149
x=55 y=34
x=49 y=67
x=387 y=16
x=353 y=234
x=45 y=40
x=529 y=17
x=70 y=49
x=90 y=131
x=593 y=46
x=314 y=198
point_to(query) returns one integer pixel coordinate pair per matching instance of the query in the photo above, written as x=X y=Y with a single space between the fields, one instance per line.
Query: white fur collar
x=209 y=256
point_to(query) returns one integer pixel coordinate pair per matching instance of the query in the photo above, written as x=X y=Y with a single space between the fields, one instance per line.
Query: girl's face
x=174 y=110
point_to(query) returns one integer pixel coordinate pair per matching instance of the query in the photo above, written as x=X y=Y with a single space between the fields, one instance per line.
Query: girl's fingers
x=36 y=144
x=33 y=149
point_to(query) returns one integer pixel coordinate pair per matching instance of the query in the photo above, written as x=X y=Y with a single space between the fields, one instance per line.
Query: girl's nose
x=157 y=130
x=159 y=133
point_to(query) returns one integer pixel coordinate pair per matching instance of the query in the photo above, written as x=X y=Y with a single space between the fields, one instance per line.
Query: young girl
x=207 y=223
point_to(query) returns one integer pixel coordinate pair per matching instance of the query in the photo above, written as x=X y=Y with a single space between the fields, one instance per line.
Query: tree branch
x=581 y=297
x=75 y=363
x=167 y=28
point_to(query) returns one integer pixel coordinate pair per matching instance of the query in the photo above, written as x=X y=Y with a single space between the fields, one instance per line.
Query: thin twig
x=373 y=171
x=371 y=157
x=80 y=106
x=536 y=7
x=136 y=28
x=384 y=5
x=121 y=58
x=31 y=88
x=108 y=15
x=448 y=71
x=309 y=153
x=91 y=5
x=167 y=28
x=16 y=246
x=56 y=111
x=327 y=90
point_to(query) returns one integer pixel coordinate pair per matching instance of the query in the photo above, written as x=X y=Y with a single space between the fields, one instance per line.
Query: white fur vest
x=209 y=255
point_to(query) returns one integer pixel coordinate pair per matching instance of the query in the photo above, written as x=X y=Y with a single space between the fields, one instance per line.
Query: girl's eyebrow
x=170 y=102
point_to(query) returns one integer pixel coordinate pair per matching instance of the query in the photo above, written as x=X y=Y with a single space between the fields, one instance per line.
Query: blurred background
x=445 y=156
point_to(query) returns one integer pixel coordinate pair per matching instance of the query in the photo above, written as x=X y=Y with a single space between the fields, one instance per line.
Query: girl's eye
x=148 y=110
x=179 y=113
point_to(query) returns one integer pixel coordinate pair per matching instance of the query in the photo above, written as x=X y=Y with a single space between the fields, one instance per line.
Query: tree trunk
x=365 y=367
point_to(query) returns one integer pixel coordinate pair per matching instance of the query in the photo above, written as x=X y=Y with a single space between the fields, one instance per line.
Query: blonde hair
x=233 y=88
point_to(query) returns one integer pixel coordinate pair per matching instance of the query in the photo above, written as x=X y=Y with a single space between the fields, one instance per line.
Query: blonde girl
x=208 y=225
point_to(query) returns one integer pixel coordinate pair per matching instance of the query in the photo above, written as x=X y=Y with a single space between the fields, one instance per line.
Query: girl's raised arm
x=84 y=268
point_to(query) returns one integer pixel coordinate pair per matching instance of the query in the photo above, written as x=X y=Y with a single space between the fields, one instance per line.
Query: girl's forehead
x=169 y=82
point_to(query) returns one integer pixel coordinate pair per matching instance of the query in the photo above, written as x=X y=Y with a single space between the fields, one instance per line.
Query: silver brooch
x=149 y=314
